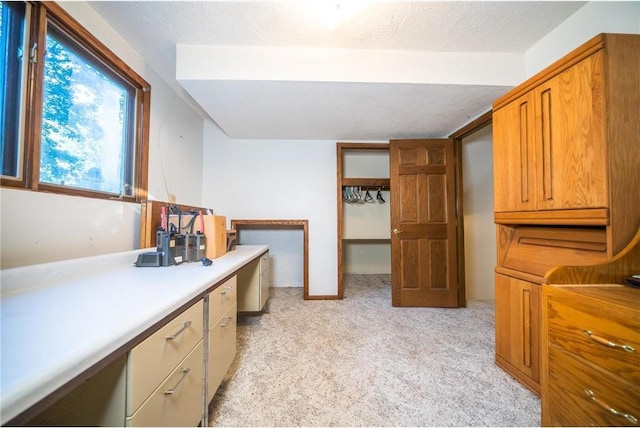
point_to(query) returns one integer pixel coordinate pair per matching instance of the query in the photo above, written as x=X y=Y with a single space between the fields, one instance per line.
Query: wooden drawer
x=151 y=361
x=570 y=383
x=584 y=328
x=222 y=349
x=221 y=299
x=178 y=400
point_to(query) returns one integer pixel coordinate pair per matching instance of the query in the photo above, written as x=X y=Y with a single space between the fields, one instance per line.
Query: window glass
x=86 y=139
x=75 y=117
x=12 y=41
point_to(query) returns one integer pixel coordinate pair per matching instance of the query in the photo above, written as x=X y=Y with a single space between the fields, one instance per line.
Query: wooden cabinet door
x=518 y=329
x=513 y=156
x=571 y=155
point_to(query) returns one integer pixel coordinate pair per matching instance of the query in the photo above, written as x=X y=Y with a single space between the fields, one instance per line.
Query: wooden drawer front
x=536 y=249
x=568 y=327
x=222 y=349
x=221 y=299
x=152 y=360
x=569 y=404
x=178 y=400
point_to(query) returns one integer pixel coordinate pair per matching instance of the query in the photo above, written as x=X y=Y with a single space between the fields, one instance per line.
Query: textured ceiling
x=297 y=104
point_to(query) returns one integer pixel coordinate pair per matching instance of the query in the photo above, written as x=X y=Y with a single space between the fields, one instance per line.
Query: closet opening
x=364 y=236
x=288 y=248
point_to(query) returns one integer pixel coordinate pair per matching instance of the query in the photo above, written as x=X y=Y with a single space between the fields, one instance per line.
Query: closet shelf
x=385 y=183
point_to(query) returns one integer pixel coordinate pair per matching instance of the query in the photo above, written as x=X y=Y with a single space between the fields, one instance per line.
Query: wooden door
x=513 y=156
x=423 y=239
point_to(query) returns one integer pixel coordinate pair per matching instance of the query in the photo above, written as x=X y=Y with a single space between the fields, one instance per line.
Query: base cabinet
x=591 y=364
x=160 y=382
x=222 y=333
x=158 y=356
x=178 y=399
x=253 y=285
x=518 y=329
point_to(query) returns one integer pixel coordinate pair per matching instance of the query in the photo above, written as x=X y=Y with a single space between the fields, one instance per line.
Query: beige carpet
x=361 y=362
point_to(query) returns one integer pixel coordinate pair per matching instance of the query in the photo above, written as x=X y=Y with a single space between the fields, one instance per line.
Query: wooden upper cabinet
x=571 y=153
x=513 y=153
x=566 y=146
x=549 y=144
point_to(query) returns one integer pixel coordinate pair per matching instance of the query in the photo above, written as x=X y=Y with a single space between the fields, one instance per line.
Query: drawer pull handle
x=227 y=323
x=605 y=406
x=227 y=290
x=608 y=343
x=177 y=333
x=185 y=372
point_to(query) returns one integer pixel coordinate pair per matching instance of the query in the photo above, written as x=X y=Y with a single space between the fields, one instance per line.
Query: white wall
x=479 y=229
x=286 y=250
x=590 y=20
x=38 y=227
x=269 y=179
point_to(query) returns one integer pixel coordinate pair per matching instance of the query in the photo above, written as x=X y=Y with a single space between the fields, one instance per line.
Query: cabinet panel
x=513 y=153
x=165 y=352
x=222 y=349
x=253 y=291
x=178 y=400
x=518 y=328
x=221 y=299
x=571 y=155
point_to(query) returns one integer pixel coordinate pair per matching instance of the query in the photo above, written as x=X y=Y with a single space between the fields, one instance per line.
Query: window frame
x=41 y=13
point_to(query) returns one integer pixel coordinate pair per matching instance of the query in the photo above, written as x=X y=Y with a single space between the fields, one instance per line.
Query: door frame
x=342 y=181
x=475 y=125
x=472 y=127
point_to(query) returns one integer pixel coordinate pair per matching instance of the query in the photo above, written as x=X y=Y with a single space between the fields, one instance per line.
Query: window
x=83 y=126
x=12 y=39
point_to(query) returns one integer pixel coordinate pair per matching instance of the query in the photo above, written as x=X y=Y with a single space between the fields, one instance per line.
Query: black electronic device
x=201 y=245
x=165 y=244
x=150 y=259
x=189 y=249
x=206 y=261
x=177 y=250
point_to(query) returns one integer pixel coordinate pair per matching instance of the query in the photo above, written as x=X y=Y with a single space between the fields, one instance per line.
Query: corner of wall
x=593 y=18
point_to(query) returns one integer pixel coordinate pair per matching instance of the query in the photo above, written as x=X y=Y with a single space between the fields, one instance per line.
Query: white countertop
x=59 y=319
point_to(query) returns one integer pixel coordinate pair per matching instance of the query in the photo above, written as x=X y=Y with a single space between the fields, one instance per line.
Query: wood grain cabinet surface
x=566 y=181
x=591 y=356
x=518 y=329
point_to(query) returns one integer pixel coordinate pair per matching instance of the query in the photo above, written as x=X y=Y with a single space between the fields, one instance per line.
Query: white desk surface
x=59 y=319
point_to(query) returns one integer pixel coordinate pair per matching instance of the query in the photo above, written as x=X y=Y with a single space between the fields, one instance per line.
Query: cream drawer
x=151 y=361
x=580 y=394
x=264 y=262
x=591 y=333
x=221 y=299
x=222 y=349
x=178 y=400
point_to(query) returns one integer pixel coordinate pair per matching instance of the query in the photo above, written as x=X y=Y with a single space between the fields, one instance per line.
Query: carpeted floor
x=361 y=362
